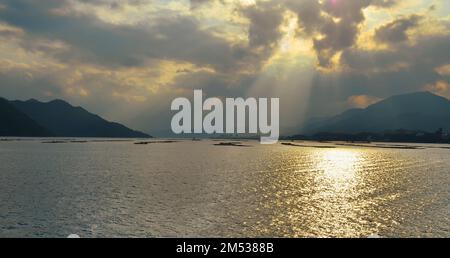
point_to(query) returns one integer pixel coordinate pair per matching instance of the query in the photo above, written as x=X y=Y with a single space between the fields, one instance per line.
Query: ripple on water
x=99 y=189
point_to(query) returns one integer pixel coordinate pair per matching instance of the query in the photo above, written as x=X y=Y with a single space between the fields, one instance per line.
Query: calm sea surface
x=197 y=189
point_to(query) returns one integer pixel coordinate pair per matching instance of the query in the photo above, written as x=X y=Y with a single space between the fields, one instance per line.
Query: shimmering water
x=196 y=189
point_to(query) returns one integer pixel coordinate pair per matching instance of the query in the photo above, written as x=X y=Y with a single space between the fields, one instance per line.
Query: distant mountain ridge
x=415 y=111
x=13 y=122
x=59 y=118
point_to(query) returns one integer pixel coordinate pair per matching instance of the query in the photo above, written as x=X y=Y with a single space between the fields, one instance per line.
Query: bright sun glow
x=340 y=165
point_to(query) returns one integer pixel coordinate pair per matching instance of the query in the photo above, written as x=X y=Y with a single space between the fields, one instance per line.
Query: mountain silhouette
x=13 y=122
x=59 y=118
x=422 y=111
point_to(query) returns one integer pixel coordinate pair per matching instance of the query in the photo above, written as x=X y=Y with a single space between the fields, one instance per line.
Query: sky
x=127 y=60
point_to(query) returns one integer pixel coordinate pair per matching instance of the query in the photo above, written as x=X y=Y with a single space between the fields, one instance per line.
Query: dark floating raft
x=55 y=142
x=307 y=146
x=83 y=141
x=151 y=142
x=232 y=144
x=383 y=146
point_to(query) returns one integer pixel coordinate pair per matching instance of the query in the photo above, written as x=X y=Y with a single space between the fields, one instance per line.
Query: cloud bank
x=127 y=60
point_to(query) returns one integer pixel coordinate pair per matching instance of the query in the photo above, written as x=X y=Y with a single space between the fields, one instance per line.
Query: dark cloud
x=94 y=41
x=265 y=20
x=339 y=36
x=396 y=30
x=234 y=69
x=114 y=4
x=309 y=14
x=380 y=73
x=431 y=51
x=180 y=37
x=339 y=28
x=198 y=3
x=342 y=34
x=16 y=84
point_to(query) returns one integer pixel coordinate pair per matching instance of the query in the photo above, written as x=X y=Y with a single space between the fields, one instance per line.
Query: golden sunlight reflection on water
x=338 y=178
x=198 y=189
x=340 y=166
x=334 y=176
x=340 y=192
